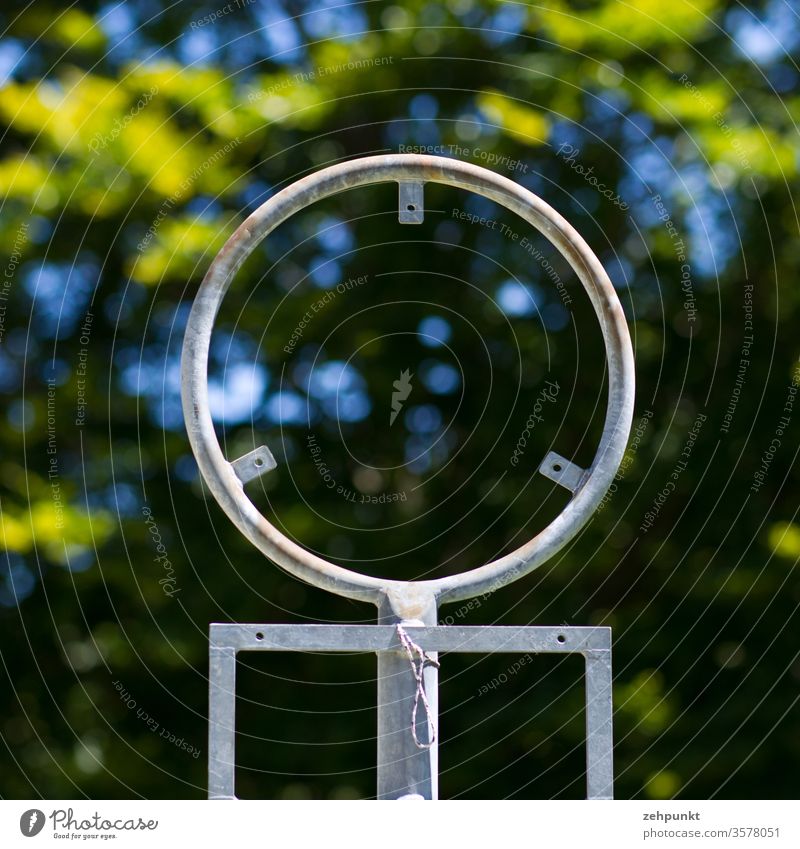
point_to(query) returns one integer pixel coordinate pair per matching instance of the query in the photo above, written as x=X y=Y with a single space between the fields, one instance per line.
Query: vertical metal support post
x=599 y=725
x=221 y=721
x=404 y=769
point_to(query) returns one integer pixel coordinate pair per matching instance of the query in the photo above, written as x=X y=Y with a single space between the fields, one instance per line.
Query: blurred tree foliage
x=137 y=136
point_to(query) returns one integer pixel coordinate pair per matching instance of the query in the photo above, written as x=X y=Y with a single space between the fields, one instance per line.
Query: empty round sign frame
x=226 y=479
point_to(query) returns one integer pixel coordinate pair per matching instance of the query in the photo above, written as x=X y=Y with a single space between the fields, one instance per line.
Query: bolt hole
x=561 y=638
x=411 y=207
x=557 y=467
x=259 y=636
x=259 y=461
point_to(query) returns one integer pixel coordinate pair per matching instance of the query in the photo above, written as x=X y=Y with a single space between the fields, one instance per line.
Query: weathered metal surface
x=407 y=755
x=254 y=464
x=459 y=639
x=221 y=719
x=403 y=769
x=408 y=170
x=599 y=725
x=411 y=203
x=562 y=471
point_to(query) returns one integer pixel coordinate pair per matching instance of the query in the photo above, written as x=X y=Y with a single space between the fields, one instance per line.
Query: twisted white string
x=417 y=670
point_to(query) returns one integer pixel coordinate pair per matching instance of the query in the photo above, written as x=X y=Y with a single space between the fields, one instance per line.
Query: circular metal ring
x=588 y=487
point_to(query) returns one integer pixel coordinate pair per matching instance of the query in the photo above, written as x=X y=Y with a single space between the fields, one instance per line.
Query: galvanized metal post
x=403 y=773
x=405 y=769
x=407 y=749
x=599 y=725
x=221 y=722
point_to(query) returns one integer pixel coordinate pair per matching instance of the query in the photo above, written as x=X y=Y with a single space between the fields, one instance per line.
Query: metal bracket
x=562 y=471
x=226 y=640
x=412 y=203
x=254 y=464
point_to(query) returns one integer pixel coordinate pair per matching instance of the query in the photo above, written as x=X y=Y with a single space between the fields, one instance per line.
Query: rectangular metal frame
x=226 y=640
